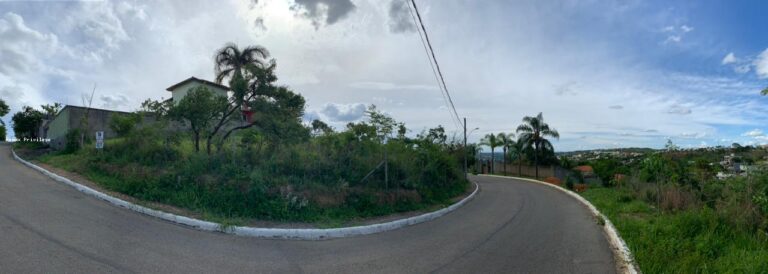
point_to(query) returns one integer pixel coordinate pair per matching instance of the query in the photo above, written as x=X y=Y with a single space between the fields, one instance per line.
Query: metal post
x=465 y=148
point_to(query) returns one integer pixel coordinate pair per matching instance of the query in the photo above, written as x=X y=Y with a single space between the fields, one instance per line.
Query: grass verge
x=688 y=241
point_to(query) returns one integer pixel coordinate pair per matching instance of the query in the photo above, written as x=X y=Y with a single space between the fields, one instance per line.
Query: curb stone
x=272 y=233
x=628 y=264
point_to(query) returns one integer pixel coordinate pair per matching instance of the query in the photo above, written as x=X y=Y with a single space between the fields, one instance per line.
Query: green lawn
x=691 y=241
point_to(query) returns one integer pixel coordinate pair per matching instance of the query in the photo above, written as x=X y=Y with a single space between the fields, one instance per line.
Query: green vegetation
x=677 y=217
x=265 y=164
x=533 y=133
x=26 y=123
x=4 y=109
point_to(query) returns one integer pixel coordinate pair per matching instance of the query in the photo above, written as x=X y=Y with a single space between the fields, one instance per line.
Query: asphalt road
x=511 y=226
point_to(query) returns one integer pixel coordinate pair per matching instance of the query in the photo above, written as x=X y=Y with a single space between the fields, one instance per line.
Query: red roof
x=193 y=79
x=584 y=169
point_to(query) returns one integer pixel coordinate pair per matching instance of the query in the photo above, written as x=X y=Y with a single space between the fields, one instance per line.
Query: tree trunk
x=536 y=158
x=197 y=142
x=208 y=145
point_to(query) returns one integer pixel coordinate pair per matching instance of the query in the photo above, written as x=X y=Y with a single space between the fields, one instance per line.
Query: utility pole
x=465 y=149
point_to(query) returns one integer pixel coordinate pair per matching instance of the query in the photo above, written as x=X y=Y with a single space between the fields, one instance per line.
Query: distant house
x=180 y=89
x=587 y=171
x=71 y=117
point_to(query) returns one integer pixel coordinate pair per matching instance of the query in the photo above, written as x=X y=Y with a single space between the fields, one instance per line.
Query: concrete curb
x=613 y=235
x=274 y=233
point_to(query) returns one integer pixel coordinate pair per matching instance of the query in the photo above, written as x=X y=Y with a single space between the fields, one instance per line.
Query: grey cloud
x=390 y=86
x=323 y=11
x=21 y=45
x=114 y=101
x=678 y=109
x=616 y=107
x=343 y=113
x=651 y=130
x=400 y=19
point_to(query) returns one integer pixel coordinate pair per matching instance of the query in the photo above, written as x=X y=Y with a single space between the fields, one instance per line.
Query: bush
x=2 y=133
x=123 y=124
x=72 y=141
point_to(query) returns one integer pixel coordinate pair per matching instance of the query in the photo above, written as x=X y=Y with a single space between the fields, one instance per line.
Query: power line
x=440 y=84
x=437 y=65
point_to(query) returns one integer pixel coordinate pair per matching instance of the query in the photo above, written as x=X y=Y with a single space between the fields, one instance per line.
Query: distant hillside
x=628 y=150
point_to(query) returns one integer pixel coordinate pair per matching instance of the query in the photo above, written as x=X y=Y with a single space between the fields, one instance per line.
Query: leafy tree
x=506 y=140
x=50 y=111
x=198 y=109
x=320 y=127
x=4 y=109
x=385 y=124
x=157 y=108
x=123 y=124
x=240 y=65
x=491 y=140
x=534 y=132
x=26 y=123
x=517 y=148
x=435 y=136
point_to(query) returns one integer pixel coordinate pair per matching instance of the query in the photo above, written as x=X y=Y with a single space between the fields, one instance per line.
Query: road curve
x=511 y=226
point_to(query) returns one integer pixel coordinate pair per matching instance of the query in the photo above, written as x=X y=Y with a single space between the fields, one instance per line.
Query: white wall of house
x=181 y=91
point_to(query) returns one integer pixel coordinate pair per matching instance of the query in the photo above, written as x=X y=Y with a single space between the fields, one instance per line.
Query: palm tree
x=506 y=141
x=493 y=142
x=239 y=65
x=534 y=132
x=517 y=147
x=765 y=91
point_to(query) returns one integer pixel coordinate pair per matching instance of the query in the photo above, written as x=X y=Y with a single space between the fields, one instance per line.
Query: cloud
x=729 y=58
x=400 y=19
x=761 y=65
x=322 y=12
x=753 y=133
x=616 y=107
x=390 y=86
x=678 y=109
x=673 y=38
x=343 y=112
x=686 y=28
x=675 y=35
x=22 y=47
x=114 y=101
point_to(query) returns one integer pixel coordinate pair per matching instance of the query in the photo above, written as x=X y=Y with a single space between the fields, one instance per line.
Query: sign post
x=99 y=140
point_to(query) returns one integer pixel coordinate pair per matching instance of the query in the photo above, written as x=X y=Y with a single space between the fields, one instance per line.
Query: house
x=587 y=171
x=71 y=117
x=180 y=89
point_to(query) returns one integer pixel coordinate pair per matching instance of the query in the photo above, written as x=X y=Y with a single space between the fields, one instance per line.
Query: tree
x=765 y=91
x=320 y=127
x=50 y=111
x=518 y=148
x=123 y=124
x=4 y=109
x=492 y=141
x=198 y=109
x=26 y=123
x=251 y=79
x=534 y=132
x=506 y=140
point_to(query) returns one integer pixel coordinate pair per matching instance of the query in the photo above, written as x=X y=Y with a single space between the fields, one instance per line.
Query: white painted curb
x=276 y=233
x=610 y=230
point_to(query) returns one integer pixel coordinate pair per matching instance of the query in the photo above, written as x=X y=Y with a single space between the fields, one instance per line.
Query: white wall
x=182 y=90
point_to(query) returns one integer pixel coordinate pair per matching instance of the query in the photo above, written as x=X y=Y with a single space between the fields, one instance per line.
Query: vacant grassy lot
x=688 y=241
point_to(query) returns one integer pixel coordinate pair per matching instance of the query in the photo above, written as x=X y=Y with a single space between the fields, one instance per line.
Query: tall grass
x=691 y=240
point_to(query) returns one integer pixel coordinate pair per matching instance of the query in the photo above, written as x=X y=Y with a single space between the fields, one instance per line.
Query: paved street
x=511 y=226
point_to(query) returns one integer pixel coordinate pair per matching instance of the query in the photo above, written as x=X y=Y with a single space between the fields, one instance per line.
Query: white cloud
x=761 y=64
x=390 y=86
x=674 y=38
x=753 y=133
x=400 y=19
x=686 y=28
x=729 y=58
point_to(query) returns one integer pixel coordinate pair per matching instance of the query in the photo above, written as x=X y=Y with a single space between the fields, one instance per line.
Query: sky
x=605 y=74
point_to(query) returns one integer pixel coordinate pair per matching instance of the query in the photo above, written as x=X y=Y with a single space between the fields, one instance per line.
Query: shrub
x=123 y=124
x=2 y=133
x=72 y=141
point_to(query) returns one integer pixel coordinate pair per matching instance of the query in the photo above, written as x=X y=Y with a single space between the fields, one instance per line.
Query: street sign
x=99 y=139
